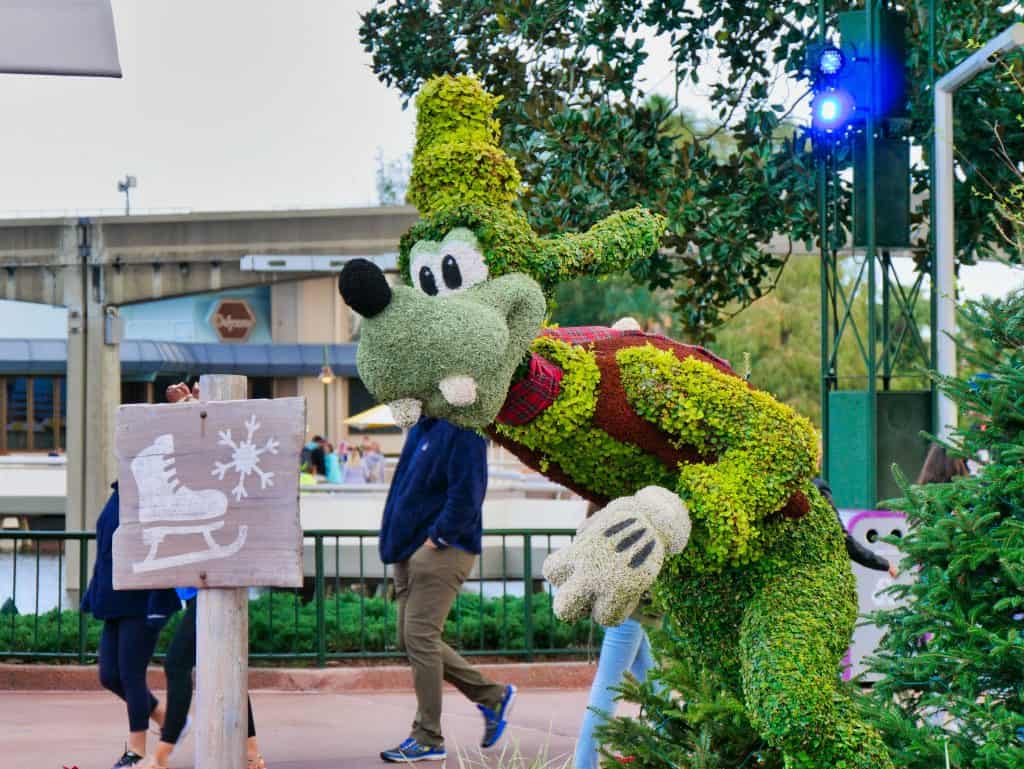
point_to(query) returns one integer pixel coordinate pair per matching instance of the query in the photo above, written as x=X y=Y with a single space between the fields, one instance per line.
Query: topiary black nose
x=364 y=288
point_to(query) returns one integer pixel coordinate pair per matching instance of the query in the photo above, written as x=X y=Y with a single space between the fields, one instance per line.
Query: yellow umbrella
x=378 y=416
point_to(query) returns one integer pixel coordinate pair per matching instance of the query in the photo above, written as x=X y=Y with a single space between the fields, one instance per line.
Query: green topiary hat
x=457 y=159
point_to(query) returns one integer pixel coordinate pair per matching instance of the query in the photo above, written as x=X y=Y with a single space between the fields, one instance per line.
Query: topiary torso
x=636 y=410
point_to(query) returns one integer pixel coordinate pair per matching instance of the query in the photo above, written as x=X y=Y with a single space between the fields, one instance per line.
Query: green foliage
x=283 y=623
x=952 y=659
x=502 y=232
x=563 y=434
x=764 y=604
x=690 y=720
x=481 y=332
x=611 y=246
x=587 y=142
x=780 y=331
x=765 y=451
x=754 y=650
x=602 y=301
x=510 y=245
x=458 y=160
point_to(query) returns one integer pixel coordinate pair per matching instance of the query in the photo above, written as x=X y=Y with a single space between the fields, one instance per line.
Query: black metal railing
x=345 y=610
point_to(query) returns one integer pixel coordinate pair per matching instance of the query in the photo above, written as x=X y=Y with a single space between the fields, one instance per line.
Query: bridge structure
x=95 y=266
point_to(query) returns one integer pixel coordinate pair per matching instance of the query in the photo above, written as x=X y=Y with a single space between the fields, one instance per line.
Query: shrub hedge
x=284 y=624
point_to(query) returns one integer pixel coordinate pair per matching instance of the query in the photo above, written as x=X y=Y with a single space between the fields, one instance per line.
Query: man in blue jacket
x=432 y=532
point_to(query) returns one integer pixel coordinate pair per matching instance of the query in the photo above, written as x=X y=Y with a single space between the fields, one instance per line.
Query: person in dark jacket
x=857 y=552
x=432 y=531
x=132 y=620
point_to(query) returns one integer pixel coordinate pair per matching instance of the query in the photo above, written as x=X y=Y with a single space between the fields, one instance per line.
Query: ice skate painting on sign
x=209 y=494
x=169 y=508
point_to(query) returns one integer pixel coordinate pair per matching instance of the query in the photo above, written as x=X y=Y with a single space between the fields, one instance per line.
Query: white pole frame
x=945 y=226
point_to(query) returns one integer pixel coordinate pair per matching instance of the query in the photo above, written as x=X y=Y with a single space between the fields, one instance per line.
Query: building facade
x=278 y=336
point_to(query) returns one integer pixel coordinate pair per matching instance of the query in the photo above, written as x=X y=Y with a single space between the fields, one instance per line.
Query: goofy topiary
x=705 y=482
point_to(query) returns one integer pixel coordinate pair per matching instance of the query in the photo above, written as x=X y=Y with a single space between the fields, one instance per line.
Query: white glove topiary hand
x=617 y=556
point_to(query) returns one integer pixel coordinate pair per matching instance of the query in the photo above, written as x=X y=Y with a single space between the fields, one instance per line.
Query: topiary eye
x=451 y=273
x=427 y=281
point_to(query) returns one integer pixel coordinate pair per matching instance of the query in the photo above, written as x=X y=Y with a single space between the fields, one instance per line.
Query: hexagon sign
x=233 y=320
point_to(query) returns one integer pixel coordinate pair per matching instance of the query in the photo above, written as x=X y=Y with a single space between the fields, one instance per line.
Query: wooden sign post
x=210 y=499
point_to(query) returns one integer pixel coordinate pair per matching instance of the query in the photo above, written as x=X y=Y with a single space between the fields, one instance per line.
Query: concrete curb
x=336 y=680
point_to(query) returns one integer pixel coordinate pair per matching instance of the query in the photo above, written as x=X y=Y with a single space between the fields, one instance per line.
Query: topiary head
x=448 y=342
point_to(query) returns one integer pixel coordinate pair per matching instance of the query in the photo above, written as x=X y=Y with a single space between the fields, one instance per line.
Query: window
x=33 y=413
x=261 y=387
x=136 y=392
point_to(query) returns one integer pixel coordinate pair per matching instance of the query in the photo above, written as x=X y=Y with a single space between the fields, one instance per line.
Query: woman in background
x=355 y=471
x=374 y=463
x=132 y=621
x=332 y=465
x=178 y=666
x=940 y=467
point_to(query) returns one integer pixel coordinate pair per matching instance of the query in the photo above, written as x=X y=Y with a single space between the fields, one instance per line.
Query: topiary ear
x=607 y=248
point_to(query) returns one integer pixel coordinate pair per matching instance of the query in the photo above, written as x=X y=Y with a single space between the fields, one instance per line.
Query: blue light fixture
x=831 y=110
x=831 y=61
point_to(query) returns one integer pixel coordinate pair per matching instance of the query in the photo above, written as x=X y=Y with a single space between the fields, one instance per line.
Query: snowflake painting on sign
x=245 y=459
x=209 y=494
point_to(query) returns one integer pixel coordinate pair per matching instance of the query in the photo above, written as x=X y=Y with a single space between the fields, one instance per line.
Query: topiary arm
x=609 y=247
x=765 y=451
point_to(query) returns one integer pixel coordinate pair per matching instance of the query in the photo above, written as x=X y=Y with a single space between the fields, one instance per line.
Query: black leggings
x=126 y=647
x=178 y=665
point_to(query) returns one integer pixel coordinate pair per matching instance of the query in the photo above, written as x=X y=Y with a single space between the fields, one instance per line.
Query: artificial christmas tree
x=952 y=659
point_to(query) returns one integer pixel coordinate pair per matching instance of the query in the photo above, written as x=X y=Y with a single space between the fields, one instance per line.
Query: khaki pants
x=426 y=586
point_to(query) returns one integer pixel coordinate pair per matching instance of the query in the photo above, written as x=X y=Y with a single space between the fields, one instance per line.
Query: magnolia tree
x=587 y=141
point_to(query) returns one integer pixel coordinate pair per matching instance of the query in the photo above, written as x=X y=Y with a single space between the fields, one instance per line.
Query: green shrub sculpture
x=705 y=482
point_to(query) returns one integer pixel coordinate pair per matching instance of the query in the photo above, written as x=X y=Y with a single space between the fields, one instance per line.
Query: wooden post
x=222 y=645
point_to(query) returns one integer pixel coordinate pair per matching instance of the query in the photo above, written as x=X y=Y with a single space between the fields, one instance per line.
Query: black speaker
x=902 y=416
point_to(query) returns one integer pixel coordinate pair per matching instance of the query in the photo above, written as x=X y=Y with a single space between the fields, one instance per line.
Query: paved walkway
x=50 y=730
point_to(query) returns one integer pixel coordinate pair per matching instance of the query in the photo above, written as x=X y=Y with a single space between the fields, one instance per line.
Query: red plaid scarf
x=530 y=396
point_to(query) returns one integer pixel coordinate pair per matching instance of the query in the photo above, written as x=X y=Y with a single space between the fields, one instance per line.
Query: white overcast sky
x=226 y=105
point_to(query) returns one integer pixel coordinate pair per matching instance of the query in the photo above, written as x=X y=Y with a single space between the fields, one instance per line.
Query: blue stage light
x=831 y=110
x=831 y=61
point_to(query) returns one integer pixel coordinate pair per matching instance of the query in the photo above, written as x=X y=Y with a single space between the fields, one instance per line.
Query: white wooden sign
x=209 y=494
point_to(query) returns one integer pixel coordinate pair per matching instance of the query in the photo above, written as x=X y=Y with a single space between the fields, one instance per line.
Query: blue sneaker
x=495 y=722
x=411 y=750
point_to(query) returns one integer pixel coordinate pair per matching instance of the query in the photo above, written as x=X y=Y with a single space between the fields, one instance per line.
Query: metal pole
x=944 y=223
x=871 y=211
x=222 y=645
x=933 y=309
x=825 y=274
x=887 y=357
x=319 y=598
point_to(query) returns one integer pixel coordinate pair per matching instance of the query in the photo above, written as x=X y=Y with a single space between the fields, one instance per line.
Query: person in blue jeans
x=625 y=649
x=132 y=621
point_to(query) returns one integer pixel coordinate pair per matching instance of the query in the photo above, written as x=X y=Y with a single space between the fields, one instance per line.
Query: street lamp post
x=326 y=376
x=126 y=185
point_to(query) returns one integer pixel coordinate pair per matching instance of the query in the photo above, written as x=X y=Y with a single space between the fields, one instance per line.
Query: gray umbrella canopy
x=58 y=37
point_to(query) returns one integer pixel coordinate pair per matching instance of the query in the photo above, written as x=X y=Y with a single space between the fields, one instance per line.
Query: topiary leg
x=792 y=636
